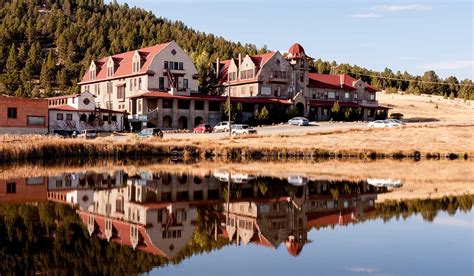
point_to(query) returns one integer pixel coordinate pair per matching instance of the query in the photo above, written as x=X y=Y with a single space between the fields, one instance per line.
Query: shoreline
x=415 y=142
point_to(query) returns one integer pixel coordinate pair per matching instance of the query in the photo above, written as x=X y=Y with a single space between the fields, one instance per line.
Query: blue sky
x=403 y=35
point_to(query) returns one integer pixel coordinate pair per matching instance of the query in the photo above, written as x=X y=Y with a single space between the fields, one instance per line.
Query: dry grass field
x=425 y=107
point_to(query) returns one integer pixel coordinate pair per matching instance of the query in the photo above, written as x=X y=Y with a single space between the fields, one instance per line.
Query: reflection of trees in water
x=51 y=238
x=428 y=208
x=56 y=240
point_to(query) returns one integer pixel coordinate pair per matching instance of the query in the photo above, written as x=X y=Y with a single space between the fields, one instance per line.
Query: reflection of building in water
x=30 y=189
x=288 y=219
x=158 y=212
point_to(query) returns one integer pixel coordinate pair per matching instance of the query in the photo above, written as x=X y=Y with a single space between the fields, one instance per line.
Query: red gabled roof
x=259 y=60
x=123 y=63
x=342 y=81
x=339 y=81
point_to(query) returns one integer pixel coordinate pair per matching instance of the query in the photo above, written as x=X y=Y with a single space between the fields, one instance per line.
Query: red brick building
x=23 y=115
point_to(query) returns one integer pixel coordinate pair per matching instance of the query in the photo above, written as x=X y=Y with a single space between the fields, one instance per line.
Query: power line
x=418 y=81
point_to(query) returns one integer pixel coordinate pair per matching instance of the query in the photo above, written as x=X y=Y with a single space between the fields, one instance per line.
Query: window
x=59 y=117
x=11 y=188
x=251 y=91
x=97 y=89
x=136 y=66
x=372 y=97
x=121 y=93
x=161 y=83
x=139 y=83
x=183 y=104
x=35 y=120
x=331 y=95
x=110 y=71
x=83 y=117
x=109 y=87
x=185 y=83
x=346 y=95
x=355 y=96
x=199 y=105
x=214 y=106
x=69 y=117
x=130 y=84
x=135 y=83
x=180 y=66
x=105 y=118
x=167 y=103
x=12 y=113
x=166 y=64
x=176 y=65
x=114 y=118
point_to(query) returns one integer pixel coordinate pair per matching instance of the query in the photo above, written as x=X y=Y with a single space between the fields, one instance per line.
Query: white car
x=221 y=127
x=243 y=129
x=298 y=121
x=383 y=124
x=87 y=134
x=395 y=121
x=377 y=124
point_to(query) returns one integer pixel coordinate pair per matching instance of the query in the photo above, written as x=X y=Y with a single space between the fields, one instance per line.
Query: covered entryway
x=167 y=120
x=183 y=122
x=300 y=107
x=198 y=120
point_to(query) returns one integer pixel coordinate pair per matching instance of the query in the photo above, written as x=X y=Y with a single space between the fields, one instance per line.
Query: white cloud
x=366 y=15
x=359 y=269
x=454 y=222
x=400 y=8
x=451 y=65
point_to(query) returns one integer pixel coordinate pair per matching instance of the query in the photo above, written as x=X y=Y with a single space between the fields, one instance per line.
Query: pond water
x=187 y=221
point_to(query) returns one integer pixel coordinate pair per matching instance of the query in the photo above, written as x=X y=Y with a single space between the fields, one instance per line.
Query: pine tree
x=11 y=79
x=47 y=71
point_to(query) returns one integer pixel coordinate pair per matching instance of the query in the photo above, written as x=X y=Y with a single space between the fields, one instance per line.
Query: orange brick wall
x=24 y=192
x=25 y=107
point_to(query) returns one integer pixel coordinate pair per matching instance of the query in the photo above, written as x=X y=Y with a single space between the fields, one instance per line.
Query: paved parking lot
x=281 y=129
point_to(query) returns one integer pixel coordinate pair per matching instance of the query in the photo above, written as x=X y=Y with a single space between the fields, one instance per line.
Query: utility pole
x=230 y=108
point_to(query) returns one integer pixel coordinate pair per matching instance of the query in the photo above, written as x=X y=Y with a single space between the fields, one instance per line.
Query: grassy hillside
x=45 y=46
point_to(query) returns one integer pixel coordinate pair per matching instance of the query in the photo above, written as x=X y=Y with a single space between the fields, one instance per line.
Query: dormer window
x=110 y=71
x=136 y=66
x=92 y=74
x=92 y=71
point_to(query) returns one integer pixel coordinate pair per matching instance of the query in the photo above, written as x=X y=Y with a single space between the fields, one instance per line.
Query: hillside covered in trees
x=45 y=46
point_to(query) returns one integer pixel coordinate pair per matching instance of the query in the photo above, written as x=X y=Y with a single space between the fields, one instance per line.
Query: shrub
x=397 y=116
x=335 y=110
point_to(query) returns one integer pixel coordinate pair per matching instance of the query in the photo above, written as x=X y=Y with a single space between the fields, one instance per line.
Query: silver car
x=298 y=121
x=222 y=127
x=243 y=129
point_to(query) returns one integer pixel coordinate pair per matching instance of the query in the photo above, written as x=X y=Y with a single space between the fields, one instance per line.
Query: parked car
x=395 y=121
x=87 y=134
x=149 y=132
x=222 y=127
x=243 y=129
x=298 y=121
x=383 y=124
x=202 y=128
x=391 y=123
x=66 y=133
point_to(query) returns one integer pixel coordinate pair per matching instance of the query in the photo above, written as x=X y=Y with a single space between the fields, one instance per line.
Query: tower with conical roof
x=300 y=64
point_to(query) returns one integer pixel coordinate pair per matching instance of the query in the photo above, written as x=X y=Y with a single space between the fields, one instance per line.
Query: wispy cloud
x=401 y=8
x=451 y=65
x=358 y=269
x=381 y=10
x=366 y=15
x=454 y=222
